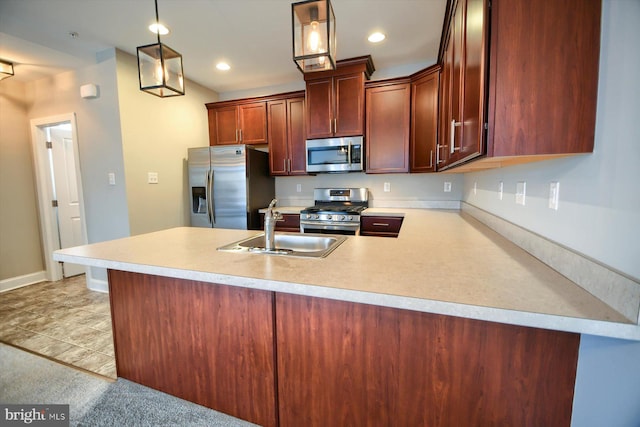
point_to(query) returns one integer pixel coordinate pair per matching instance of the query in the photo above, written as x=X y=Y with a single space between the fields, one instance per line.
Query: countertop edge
x=627 y=331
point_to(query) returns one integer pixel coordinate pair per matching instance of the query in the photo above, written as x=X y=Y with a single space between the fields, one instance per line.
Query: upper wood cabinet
x=425 y=87
x=335 y=99
x=286 y=135
x=544 y=77
x=387 y=126
x=535 y=93
x=464 y=83
x=237 y=122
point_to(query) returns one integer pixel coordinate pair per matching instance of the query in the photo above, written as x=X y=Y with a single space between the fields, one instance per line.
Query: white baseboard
x=97 y=285
x=20 y=281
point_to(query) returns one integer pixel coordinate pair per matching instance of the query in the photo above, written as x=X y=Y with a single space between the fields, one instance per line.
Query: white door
x=65 y=191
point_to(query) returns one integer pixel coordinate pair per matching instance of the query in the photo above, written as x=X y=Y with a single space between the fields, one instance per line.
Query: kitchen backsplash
x=405 y=190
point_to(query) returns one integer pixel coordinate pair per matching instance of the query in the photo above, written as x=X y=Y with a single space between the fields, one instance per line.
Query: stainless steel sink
x=291 y=244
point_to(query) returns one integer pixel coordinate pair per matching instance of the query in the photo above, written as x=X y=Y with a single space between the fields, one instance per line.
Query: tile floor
x=62 y=320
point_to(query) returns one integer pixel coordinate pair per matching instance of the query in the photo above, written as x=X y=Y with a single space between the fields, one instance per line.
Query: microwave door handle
x=349 y=152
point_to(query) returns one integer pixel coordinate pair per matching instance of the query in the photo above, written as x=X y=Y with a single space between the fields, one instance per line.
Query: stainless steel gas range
x=335 y=211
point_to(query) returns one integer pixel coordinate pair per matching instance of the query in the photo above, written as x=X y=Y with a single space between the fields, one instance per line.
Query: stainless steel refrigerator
x=227 y=186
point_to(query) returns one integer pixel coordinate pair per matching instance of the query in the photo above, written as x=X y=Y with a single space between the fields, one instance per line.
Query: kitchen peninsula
x=440 y=326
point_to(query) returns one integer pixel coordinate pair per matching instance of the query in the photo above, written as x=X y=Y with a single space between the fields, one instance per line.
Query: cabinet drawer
x=289 y=222
x=384 y=226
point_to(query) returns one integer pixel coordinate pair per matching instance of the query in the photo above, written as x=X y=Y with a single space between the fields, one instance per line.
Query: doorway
x=59 y=187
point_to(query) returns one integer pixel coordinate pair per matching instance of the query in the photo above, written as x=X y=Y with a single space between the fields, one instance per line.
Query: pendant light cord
x=157 y=21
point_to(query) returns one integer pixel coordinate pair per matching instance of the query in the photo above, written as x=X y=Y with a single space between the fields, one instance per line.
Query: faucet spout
x=270 y=218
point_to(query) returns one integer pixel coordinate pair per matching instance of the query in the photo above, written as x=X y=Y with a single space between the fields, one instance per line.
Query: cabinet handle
x=284 y=165
x=380 y=224
x=454 y=125
x=335 y=126
x=438 y=148
x=240 y=135
x=236 y=135
x=430 y=159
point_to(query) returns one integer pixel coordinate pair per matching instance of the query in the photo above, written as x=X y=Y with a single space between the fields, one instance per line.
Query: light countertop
x=443 y=262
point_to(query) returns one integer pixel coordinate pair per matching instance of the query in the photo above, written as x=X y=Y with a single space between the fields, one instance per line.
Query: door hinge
x=54 y=203
x=49 y=145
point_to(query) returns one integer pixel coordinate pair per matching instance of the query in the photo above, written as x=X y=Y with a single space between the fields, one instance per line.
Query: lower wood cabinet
x=348 y=364
x=286 y=360
x=381 y=226
x=206 y=343
x=288 y=222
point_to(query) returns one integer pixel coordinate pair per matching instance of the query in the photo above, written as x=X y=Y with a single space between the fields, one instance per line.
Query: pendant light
x=6 y=69
x=160 y=68
x=314 y=35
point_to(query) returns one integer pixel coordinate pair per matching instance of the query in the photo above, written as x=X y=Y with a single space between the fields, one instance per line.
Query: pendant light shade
x=6 y=69
x=314 y=35
x=160 y=68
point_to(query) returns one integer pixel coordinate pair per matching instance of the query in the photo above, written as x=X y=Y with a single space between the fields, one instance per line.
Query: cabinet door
x=223 y=125
x=349 y=105
x=319 y=97
x=278 y=153
x=424 y=123
x=296 y=136
x=253 y=123
x=457 y=90
x=387 y=133
x=473 y=107
x=349 y=364
x=543 y=106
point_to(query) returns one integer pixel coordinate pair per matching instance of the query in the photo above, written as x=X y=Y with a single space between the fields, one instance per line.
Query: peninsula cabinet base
x=277 y=359
x=347 y=364
x=206 y=343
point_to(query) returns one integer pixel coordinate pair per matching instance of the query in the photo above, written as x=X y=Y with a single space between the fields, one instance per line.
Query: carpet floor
x=95 y=401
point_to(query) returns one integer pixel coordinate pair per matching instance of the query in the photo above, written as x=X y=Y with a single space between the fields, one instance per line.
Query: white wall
x=599 y=213
x=156 y=133
x=99 y=141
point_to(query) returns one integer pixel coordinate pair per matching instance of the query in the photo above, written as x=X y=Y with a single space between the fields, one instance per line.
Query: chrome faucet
x=270 y=218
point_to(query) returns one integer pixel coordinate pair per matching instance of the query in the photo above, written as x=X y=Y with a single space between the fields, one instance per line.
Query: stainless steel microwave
x=335 y=154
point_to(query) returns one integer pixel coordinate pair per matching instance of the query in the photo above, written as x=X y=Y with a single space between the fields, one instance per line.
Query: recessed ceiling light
x=223 y=66
x=158 y=27
x=376 y=37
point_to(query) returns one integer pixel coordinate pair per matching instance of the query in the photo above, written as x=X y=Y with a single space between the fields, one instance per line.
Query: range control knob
x=350 y=218
x=328 y=216
x=316 y=216
x=343 y=217
x=308 y=216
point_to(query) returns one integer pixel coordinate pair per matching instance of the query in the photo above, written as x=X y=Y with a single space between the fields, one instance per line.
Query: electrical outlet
x=521 y=192
x=112 y=178
x=152 y=177
x=387 y=187
x=447 y=187
x=500 y=190
x=554 y=195
x=299 y=188
x=475 y=187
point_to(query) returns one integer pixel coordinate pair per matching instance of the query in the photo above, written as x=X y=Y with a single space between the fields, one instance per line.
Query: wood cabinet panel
x=382 y=226
x=349 y=105
x=387 y=127
x=253 y=123
x=288 y=222
x=424 y=120
x=319 y=96
x=206 y=343
x=544 y=76
x=237 y=123
x=286 y=136
x=223 y=126
x=342 y=363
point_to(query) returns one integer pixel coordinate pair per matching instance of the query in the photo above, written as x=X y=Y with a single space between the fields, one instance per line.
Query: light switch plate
x=447 y=187
x=152 y=177
x=387 y=187
x=554 y=195
x=299 y=188
x=521 y=192
x=112 y=178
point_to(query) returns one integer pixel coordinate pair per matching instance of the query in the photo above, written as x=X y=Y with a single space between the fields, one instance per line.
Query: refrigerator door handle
x=209 y=196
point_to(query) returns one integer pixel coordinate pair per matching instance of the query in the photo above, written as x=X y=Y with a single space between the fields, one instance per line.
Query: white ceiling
x=253 y=36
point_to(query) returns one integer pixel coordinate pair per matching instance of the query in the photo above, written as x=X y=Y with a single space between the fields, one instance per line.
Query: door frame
x=44 y=188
